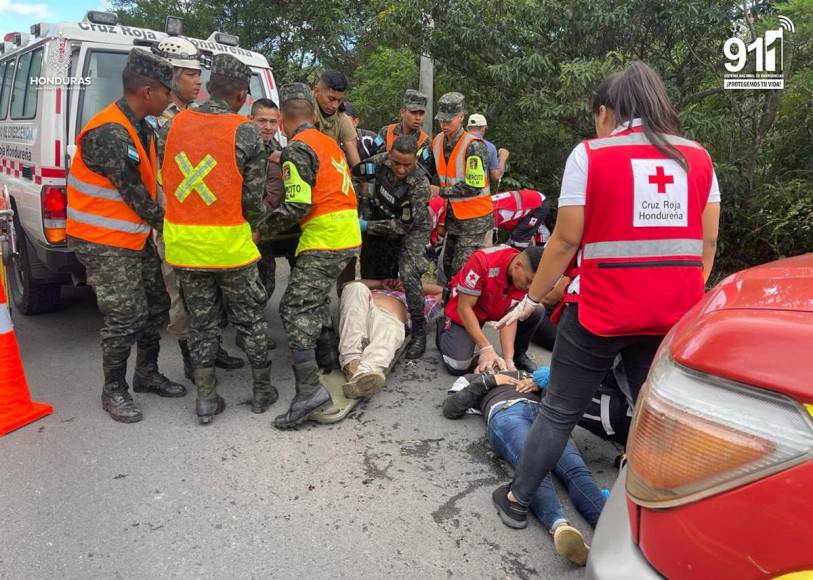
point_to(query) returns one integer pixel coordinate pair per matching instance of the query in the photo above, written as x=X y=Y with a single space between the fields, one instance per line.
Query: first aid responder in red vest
x=112 y=210
x=214 y=189
x=640 y=206
x=458 y=159
x=319 y=196
x=522 y=214
x=485 y=288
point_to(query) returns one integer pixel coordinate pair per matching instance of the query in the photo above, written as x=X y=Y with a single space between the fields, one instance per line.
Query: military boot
x=187 y=360
x=223 y=360
x=417 y=342
x=327 y=350
x=116 y=398
x=265 y=394
x=209 y=403
x=311 y=395
x=147 y=378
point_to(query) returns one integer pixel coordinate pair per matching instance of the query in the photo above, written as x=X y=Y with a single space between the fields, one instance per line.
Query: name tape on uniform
x=661 y=194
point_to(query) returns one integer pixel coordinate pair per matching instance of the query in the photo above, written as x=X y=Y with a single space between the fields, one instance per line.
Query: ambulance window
x=24 y=99
x=104 y=70
x=256 y=85
x=6 y=72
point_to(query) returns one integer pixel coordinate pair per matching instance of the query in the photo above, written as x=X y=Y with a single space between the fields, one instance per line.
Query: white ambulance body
x=52 y=82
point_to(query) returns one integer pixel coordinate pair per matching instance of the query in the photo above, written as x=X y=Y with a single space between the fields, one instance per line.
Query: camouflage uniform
x=282 y=245
x=129 y=288
x=463 y=237
x=397 y=247
x=305 y=306
x=244 y=295
x=413 y=101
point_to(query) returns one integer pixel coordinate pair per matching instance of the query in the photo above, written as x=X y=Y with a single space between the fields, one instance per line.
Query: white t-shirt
x=574 y=186
x=574 y=180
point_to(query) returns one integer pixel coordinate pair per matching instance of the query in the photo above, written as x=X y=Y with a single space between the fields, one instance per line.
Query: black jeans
x=581 y=360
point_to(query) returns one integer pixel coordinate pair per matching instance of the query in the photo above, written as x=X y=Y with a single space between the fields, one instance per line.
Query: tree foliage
x=531 y=66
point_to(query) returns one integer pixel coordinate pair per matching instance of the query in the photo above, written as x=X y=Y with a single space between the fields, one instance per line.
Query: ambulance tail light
x=694 y=435
x=99 y=17
x=54 y=214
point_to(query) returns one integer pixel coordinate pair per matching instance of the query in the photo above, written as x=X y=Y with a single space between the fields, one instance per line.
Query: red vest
x=511 y=206
x=485 y=274
x=641 y=253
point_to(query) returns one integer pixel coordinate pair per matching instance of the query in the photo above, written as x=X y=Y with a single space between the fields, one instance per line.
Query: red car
x=719 y=478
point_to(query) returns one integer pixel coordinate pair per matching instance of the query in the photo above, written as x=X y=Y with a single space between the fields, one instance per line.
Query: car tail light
x=694 y=435
x=54 y=214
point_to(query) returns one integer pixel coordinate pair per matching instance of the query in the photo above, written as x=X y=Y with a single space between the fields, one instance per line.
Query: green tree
x=379 y=85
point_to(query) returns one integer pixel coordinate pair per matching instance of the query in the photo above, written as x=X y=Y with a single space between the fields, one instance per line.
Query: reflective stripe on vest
x=204 y=226
x=106 y=222
x=332 y=223
x=96 y=211
x=5 y=319
x=642 y=247
x=94 y=190
x=454 y=171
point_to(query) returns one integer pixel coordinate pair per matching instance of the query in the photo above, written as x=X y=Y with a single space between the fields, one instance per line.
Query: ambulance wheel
x=28 y=296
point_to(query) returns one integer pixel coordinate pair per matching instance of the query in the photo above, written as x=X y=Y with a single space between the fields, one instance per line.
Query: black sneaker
x=512 y=514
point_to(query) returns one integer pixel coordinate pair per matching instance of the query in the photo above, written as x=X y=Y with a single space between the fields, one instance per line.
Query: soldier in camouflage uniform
x=319 y=196
x=398 y=229
x=186 y=71
x=111 y=210
x=463 y=235
x=413 y=110
x=218 y=258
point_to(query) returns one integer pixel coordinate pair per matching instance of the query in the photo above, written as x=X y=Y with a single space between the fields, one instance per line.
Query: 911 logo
x=767 y=54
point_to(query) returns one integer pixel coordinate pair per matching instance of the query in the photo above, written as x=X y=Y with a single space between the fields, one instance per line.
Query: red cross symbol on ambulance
x=661 y=179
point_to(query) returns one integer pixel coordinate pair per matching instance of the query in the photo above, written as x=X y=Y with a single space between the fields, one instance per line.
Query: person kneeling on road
x=509 y=402
x=485 y=288
x=372 y=317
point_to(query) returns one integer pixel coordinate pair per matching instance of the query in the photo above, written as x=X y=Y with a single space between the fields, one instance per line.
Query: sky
x=19 y=15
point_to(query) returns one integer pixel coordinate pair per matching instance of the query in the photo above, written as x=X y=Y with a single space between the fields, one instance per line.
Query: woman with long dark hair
x=636 y=230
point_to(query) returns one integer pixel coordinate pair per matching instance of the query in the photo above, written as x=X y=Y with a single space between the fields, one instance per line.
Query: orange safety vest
x=96 y=211
x=332 y=223
x=204 y=226
x=454 y=171
x=422 y=137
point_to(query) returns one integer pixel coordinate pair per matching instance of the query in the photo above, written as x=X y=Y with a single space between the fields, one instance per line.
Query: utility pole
x=426 y=86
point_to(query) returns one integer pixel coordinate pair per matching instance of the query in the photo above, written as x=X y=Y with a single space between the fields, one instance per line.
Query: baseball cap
x=477 y=120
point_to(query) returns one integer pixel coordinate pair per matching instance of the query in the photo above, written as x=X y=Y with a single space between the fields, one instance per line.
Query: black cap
x=534 y=255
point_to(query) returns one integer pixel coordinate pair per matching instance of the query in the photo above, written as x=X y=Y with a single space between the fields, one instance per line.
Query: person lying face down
x=508 y=401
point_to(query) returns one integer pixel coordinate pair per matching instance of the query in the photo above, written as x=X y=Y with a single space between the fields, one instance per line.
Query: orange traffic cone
x=16 y=407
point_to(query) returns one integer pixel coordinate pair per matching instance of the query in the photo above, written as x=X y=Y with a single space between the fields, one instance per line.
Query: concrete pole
x=426 y=86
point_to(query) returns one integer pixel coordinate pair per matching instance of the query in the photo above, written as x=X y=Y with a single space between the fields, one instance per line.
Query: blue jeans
x=507 y=432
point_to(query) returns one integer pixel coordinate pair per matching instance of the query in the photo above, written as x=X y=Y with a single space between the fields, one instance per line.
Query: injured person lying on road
x=509 y=402
x=373 y=324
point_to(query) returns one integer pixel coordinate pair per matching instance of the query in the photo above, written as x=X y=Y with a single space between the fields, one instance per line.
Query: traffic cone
x=16 y=407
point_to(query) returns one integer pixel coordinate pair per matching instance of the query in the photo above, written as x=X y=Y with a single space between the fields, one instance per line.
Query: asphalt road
x=396 y=490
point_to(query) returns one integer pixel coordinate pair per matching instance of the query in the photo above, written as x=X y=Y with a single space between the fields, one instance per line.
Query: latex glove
x=363 y=224
x=489 y=360
x=521 y=311
x=542 y=377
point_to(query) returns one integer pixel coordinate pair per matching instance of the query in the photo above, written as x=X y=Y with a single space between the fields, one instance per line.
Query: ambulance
x=52 y=81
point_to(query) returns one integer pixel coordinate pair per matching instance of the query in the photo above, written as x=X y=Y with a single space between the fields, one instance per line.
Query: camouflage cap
x=151 y=66
x=230 y=67
x=295 y=92
x=449 y=105
x=414 y=100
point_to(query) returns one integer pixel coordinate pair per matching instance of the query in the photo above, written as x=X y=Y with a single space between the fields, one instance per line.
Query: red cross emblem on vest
x=661 y=179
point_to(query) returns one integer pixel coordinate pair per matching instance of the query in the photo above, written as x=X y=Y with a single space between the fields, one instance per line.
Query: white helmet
x=180 y=52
